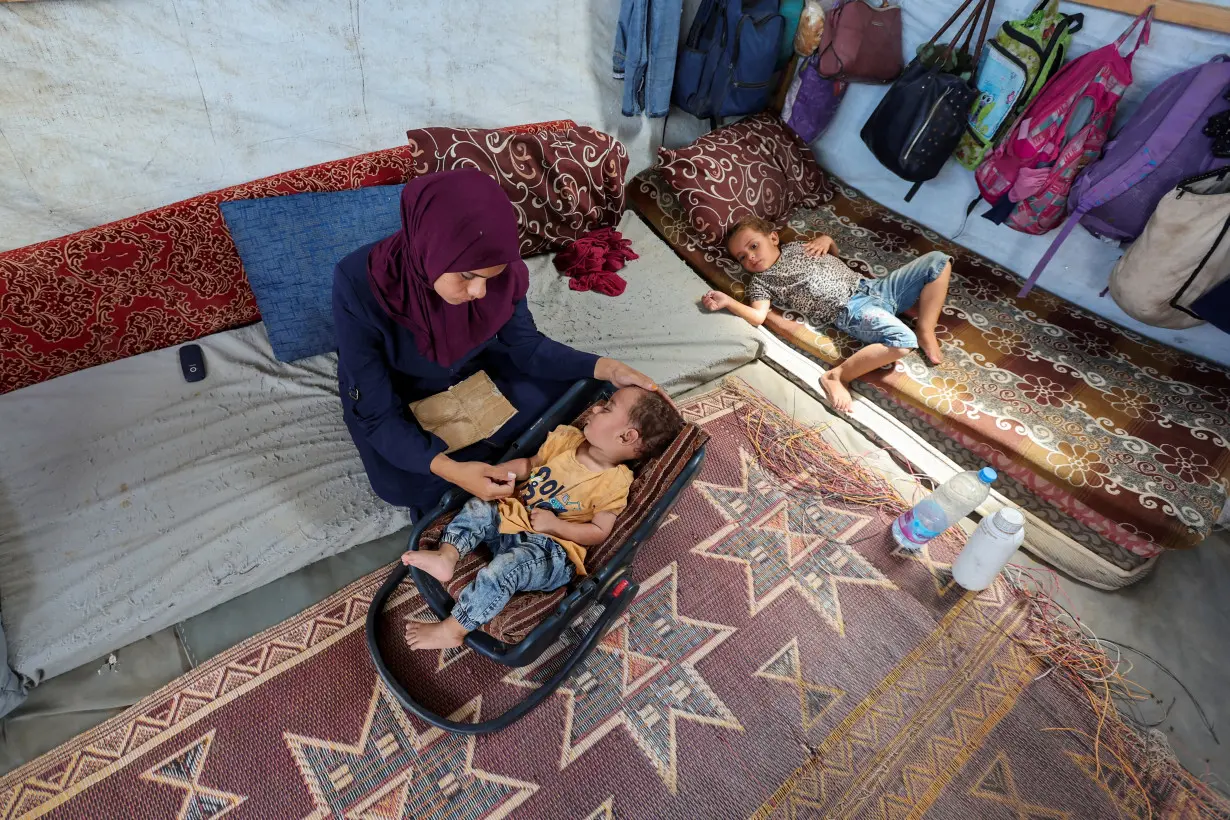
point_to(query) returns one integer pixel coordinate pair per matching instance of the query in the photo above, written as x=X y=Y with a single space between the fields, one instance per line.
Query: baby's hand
x=715 y=300
x=543 y=520
x=820 y=246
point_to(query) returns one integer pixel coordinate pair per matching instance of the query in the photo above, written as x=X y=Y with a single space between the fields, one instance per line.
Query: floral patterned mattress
x=1120 y=441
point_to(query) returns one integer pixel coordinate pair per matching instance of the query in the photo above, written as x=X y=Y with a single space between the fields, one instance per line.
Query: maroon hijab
x=451 y=221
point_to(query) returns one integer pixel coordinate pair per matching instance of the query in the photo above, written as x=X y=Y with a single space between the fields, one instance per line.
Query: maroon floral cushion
x=563 y=184
x=755 y=167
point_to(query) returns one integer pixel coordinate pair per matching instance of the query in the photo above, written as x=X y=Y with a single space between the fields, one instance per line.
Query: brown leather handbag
x=862 y=42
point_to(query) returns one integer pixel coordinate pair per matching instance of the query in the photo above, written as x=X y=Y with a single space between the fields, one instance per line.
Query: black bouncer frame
x=611 y=585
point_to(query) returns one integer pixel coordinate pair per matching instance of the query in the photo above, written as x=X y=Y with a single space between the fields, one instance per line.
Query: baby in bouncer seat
x=567 y=498
x=808 y=278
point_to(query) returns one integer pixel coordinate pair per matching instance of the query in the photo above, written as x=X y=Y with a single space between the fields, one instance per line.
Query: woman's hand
x=716 y=300
x=485 y=481
x=820 y=246
x=620 y=375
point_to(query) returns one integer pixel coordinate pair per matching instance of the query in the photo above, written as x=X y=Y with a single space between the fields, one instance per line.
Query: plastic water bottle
x=953 y=500
x=987 y=551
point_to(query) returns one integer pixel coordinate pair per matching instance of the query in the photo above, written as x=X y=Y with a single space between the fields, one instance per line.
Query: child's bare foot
x=444 y=635
x=838 y=395
x=931 y=346
x=439 y=564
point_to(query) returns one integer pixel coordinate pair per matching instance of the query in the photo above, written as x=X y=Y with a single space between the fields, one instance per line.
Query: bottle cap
x=986 y=475
x=1009 y=520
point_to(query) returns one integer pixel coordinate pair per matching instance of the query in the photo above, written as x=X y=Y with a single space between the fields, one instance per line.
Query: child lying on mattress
x=567 y=499
x=808 y=278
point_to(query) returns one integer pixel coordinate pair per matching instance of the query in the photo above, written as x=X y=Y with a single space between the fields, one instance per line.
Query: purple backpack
x=1160 y=146
x=812 y=100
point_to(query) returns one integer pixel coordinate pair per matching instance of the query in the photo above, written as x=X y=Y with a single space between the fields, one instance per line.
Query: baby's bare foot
x=838 y=395
x=439 y=564
x=443 y=635
x=931 y=346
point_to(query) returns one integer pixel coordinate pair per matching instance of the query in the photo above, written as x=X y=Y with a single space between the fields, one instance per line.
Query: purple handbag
x=812 y=100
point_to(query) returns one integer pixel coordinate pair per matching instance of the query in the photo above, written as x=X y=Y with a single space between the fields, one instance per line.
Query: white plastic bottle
x=953 y=500
x=987 y=551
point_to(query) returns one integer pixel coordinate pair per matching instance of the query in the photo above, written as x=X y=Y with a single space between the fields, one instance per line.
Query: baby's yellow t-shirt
x=568 y=488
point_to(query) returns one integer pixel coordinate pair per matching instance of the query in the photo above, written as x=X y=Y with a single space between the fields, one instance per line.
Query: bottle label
x=914 y=530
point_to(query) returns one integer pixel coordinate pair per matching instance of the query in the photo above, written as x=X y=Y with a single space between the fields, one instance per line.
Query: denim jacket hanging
x=646 y=40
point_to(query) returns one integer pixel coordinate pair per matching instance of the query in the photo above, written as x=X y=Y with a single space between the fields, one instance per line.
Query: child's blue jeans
x=520 y=562
x=871 y=314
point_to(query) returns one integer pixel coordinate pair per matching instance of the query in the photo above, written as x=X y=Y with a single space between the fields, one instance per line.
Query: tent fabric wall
x=112 y=107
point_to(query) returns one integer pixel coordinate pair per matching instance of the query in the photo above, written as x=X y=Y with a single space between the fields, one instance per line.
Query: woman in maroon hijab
x=432 y=304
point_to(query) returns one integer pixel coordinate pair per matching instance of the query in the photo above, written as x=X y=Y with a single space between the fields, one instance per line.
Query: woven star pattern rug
x=779 y=661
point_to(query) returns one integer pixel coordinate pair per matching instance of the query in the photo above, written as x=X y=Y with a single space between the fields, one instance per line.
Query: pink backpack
x=1028 y=176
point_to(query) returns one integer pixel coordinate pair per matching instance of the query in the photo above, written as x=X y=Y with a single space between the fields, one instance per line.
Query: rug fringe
x=1159 y=783
x=800 y=457
x=803 y=460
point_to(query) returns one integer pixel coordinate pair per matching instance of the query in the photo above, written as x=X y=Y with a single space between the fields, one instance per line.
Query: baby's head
x=634 y=423
x=753 y=243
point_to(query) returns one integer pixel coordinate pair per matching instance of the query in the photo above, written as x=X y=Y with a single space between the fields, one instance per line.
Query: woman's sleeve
x=369 y=395
x=536 y=355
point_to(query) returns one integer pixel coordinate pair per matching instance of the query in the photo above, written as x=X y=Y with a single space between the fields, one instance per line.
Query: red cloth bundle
x=592 y=260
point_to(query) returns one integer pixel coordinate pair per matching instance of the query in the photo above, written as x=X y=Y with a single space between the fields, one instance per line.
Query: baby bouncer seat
x=533 y=621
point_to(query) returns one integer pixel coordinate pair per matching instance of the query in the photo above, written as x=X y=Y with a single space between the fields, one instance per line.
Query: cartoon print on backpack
x=1014 y=67
x=1028 y=177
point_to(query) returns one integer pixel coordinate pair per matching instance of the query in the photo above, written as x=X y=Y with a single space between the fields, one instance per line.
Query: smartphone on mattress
x=192 y=362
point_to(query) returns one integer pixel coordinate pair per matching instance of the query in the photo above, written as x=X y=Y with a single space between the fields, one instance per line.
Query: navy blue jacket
x=380 y=371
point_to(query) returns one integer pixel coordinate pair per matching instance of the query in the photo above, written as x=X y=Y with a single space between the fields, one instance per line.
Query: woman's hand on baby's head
x=621 y=375
x=715 y=300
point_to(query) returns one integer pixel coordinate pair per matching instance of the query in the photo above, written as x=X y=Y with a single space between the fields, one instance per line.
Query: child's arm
x=819 y=246
x=753 y=314
x=587 y=535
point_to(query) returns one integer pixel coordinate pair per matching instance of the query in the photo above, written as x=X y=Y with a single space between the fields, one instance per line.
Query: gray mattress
x=130 y=500
x=657 y=325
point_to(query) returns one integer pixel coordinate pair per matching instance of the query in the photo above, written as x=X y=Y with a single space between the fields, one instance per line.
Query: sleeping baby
x=568 y=498
x=808 y=278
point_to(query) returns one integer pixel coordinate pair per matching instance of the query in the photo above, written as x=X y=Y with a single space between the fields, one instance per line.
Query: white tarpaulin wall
x=112 y=107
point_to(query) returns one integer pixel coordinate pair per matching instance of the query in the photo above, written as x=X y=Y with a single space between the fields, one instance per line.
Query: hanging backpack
x=728 y=60
x=917 y=124
x=811 y=103
x=1015 y=66
x=1160 y=146
x=1181 y=254
x=1028 y=176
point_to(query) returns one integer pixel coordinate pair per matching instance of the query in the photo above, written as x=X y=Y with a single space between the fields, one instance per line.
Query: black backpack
x=727 y=63
x=919 y=122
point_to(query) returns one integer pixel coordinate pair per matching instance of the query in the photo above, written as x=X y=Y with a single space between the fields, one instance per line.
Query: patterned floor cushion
x=1112 y=438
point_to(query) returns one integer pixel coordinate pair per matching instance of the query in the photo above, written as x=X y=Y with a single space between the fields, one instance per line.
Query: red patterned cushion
x=154 y=280
x=756 y=166
x=563 y=184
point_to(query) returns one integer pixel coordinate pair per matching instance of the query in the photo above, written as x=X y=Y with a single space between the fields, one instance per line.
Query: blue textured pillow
x=289 y=246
